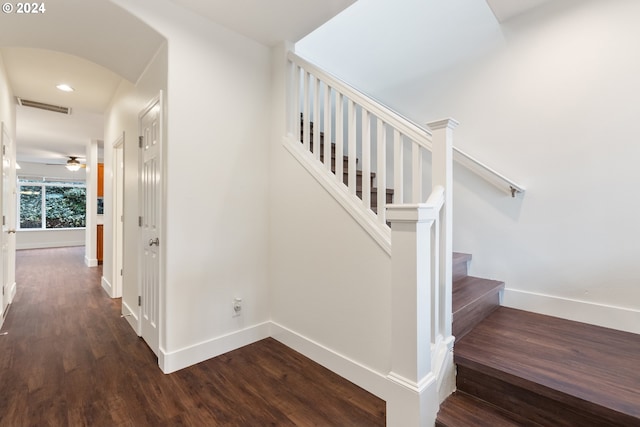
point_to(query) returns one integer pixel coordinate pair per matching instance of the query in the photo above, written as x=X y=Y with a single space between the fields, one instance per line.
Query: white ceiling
x=34 y=74
x=44 y=136
x=507 y=9
x=86 y=44
x=268 y=22
x=96 y=30
x=92 y=45
x=47 y=137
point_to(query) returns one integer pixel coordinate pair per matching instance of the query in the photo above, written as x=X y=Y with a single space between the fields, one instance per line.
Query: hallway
x=70 y=360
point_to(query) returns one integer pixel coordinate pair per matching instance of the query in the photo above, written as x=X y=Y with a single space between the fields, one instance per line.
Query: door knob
x=155 y=241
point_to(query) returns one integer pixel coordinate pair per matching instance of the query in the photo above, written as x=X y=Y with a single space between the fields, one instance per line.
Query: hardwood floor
x=70 y=360
x=552 y=371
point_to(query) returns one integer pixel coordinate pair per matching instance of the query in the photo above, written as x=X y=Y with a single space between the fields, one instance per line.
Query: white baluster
x=437 y=308
x=339 y=136
x=306 y=114
x=398 y=168
x=442 y=175
x=316 y=119
x=366 y=159
x=327 y=127
x=381 y=173
x=295 y=103
x=416 y=173
x=353 y=146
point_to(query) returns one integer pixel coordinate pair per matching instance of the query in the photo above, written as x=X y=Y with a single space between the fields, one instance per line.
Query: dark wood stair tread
x=460 y=264
x=461 y=409
x=592 y=369
x=373 y=190
x=473 y=299
x=470 y=289
x=459 y=257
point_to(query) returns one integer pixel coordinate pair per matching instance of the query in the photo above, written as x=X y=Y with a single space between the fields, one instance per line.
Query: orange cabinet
x=100 y=179
x=99 y=244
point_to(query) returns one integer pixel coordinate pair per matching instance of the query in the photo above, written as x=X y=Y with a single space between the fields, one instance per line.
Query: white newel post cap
x=449 y=122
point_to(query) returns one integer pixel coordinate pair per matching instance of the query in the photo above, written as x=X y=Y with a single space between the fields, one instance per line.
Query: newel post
x=442 y=175
x=415 y=401
x=421 y=275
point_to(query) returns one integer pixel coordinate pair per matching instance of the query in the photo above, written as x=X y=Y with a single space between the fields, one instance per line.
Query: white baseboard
x=12 y=292
x=444 y=368
x=90 y=262
x=48 y=245
x=107 y=287
x=622 y=319
x=370 y=380
x=179 y=359
x=131 y=316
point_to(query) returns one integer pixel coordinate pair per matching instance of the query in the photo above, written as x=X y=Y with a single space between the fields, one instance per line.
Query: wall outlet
x=237 y=307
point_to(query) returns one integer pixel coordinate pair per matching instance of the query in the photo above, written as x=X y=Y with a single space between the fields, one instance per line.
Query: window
x=51 y=204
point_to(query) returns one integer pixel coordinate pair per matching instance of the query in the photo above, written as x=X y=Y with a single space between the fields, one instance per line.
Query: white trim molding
x=350 y=202
x=361 y=375
x=106 y=285
x=176 y=360
x=90 y=262
x=131 y=316
x=12 y=292
x=623 y=319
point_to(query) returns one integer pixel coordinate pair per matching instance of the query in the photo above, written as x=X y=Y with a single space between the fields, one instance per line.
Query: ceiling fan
x=73 y=164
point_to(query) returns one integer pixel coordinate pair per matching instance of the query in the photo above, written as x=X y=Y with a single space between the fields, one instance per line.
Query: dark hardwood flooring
x=591 y=370
x=70 y=360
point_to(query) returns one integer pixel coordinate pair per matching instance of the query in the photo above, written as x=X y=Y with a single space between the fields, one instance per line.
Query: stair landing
x=552 y=371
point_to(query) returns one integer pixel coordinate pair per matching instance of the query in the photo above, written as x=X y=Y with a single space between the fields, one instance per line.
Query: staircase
x=345 y=169
x=516 y=368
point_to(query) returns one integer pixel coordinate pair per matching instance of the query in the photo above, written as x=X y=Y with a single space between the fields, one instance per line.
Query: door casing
x=150 y=181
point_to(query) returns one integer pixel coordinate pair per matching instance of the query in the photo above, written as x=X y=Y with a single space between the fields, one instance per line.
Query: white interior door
x=7 y=220
x=118 y=216
x=150 y=180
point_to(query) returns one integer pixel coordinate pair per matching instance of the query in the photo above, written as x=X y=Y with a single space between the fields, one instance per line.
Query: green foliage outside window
x=30 y=206
x=64 y=207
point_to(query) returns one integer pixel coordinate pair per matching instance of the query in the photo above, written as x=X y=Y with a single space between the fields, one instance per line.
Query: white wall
x=552 y=105
x=122 y=117
x=377 y=44
x=91 y=231
x=7 y=101
x=8 y=119
x=36 y=239
x=217 y=185
x=329 y=280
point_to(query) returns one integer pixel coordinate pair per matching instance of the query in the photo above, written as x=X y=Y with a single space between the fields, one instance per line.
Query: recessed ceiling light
x=65 y=87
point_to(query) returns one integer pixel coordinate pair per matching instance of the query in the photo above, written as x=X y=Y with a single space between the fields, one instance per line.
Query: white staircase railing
x=351 y=115
x=337 y=119
x=375 y=139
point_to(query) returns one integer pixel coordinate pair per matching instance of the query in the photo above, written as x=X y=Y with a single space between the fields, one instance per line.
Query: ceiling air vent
x=43 y=106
